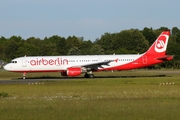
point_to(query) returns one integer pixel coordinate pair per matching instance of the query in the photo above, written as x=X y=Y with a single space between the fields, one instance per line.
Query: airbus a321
x=76 y=65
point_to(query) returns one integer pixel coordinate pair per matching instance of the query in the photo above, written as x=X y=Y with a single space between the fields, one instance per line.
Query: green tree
x=62 y=47
x=175 y=30
x=178 y=37
x=131 y=40
x=2 y=47
x=149 y=35
x=28 y=50
x=122 y=51
x=86 y=47
x=16 y=38
x=33 y=46
x=107 y=43
x=53 y=39
x=57 y=43
x=49 y=49
x=140 y=42
x=173 y=49
x=10 y=50
x=97 y=50
x=161 y=29
x=74 y=51
x=72 y=42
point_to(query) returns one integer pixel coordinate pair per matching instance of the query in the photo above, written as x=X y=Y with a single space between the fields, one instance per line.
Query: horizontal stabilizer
x=165 y=58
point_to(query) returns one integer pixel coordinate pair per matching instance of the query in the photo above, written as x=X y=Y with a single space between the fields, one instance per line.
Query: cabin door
x=144 y=59
x=24 y=62
x=100 y=60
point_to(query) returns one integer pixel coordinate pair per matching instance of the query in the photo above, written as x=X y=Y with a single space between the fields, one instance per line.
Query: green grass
x=137 y=98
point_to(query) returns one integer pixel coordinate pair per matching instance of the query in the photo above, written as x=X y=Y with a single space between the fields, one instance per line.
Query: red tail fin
x=159 y=46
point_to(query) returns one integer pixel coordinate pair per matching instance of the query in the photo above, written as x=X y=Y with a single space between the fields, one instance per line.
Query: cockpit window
x=13 y=61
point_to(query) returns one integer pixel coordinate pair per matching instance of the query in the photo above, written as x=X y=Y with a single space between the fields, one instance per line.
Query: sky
x=84 y=18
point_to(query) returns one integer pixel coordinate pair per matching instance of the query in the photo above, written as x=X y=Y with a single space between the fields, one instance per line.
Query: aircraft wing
x=95 y=66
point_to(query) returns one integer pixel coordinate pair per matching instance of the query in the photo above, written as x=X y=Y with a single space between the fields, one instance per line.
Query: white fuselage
x=61 y=63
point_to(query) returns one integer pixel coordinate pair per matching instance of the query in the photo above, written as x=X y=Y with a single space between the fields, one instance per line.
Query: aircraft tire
x=91 y=75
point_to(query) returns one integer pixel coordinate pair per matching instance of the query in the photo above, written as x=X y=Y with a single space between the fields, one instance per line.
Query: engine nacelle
x=72 y=71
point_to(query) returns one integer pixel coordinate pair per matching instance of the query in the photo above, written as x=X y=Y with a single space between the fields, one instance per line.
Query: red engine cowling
x=72 y=72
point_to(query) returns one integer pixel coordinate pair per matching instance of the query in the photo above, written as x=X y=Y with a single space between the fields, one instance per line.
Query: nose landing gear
x=24 y=75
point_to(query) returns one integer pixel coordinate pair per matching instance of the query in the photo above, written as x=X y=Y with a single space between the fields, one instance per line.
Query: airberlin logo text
x=43 y=61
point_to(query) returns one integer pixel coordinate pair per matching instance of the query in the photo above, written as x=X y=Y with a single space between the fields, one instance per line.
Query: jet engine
x=72 y=71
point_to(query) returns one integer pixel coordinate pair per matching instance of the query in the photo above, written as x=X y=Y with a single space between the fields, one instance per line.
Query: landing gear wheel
x=89 y=75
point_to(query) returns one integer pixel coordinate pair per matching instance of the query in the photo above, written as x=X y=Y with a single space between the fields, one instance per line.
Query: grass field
x=136 y=95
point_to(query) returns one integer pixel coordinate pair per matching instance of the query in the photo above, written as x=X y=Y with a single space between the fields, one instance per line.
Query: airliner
x=87 y=64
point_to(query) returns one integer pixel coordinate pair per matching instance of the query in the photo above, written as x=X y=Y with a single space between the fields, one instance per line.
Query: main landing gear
x=90 y=75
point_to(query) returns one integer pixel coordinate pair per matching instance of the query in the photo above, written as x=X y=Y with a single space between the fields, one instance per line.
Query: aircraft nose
x=7 y=67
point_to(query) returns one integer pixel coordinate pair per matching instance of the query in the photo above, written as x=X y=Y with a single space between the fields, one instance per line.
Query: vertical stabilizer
x=160 y=45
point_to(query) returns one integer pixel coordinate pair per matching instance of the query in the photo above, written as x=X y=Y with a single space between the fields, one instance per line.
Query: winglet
x=116 y=60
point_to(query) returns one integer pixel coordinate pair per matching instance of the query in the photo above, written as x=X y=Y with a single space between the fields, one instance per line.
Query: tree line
x=132 y=41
